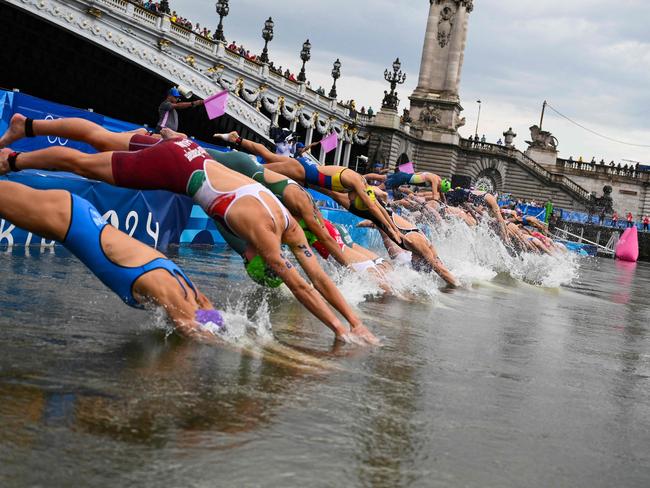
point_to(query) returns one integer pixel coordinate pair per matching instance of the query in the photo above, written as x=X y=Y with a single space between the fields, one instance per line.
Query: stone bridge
x=490 y=166
x=171 y=54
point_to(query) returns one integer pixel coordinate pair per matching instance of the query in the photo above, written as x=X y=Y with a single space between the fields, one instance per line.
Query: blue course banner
x=156 y=218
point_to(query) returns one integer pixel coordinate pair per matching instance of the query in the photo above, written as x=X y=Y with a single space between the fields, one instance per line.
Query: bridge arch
x=488 y=174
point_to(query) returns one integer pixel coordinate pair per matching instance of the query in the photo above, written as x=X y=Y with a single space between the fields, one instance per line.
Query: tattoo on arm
x=305 y=250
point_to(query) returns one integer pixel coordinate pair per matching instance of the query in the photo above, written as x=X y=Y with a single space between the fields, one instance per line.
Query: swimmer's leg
x=252 y=147
x=95 y=166
x=419 y=244
x=73 y=128
x=46 y=213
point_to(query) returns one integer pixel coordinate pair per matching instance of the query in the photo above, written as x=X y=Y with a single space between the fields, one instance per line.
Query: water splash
x=478 y=254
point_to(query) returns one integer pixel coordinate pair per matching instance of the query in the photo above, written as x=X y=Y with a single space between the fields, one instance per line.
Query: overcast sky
x=589 y=58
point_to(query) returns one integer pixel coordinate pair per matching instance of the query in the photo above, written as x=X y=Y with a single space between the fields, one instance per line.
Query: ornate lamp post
x=222 y=11
x=395 y=78
x=267 y=35
x=336 y=74
x=305 y=55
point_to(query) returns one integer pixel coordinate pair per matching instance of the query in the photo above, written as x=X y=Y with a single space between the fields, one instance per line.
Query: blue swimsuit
x=83 y=239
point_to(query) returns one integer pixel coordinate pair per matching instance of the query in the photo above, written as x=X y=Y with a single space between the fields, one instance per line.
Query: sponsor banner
x=156 y=218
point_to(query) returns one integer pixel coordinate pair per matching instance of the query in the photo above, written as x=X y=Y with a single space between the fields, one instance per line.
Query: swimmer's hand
x=360 y=333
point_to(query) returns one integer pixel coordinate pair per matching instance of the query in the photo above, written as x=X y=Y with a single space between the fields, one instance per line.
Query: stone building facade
x=427 y=133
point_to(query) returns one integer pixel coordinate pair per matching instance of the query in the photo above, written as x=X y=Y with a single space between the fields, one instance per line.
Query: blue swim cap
x=175 y=93
x=299 y=145
x=210 y=319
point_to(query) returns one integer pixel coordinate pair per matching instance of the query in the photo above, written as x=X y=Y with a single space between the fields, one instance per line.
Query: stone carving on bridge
x=215 y=72
x=459 y=121
x=542 y=139
x=406 y=117
x=165 y=46
x=601 y=205
x=190 y=60
x=509 y=137
x=445 y=25
x=430 y=117
x=468 y=4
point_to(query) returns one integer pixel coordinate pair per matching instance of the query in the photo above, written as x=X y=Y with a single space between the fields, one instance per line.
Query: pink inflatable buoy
x=627 y=248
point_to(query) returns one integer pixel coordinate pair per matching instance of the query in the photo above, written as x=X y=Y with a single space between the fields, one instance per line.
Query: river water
x=535 y=373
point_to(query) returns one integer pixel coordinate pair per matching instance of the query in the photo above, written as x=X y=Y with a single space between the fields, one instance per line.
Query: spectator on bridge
x=499 y=142
x=646 y=223
x=483 y=139
x=371 y=112
x=168 y=117
x=601 y=217
x=363 y=110
x=630 y=220
x=615 y=219
x=471 y=141
x=232 y=46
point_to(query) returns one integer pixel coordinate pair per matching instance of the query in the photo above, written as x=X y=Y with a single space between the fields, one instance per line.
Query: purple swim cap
x=206 y=317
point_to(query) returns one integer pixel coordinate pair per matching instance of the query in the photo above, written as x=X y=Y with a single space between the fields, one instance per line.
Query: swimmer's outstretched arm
x=325 y=286
x=252 y=147
x=268 y=249
x=313 y=220
x=183 y=317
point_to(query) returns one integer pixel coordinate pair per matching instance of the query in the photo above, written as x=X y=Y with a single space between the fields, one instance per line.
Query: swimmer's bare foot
x=15 y=131
x=230 y=137
x=4 y=161
x=167 y=133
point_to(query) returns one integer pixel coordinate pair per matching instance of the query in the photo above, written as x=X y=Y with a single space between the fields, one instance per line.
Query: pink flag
x=407 y=168
x=216 y=104
x=329 y=143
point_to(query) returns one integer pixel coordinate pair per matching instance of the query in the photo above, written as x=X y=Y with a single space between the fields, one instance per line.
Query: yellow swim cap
x=358 y=202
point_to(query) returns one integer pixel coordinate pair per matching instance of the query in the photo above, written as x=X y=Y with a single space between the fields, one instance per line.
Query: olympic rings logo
x=55 y=140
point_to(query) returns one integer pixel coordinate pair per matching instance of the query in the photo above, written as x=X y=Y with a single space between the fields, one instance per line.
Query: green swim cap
x=261 y=274
x=311 y=237
x=445 y=185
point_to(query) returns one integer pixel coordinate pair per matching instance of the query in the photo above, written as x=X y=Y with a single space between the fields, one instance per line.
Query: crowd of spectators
x=629 y=170
x=161 y=7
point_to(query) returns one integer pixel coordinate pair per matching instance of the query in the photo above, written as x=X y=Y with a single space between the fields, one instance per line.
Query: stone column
x=337 y=154
x=322 y=155
x=428 y=51
x=443 y=50
x=347 y=153
x=435 y=104
x=308 y=136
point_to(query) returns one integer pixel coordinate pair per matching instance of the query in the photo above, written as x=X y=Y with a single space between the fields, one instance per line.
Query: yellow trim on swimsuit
x=336 y=182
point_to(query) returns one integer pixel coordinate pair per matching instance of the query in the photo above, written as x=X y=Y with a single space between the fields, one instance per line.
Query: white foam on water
x=239 y=327
x=478 y=254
